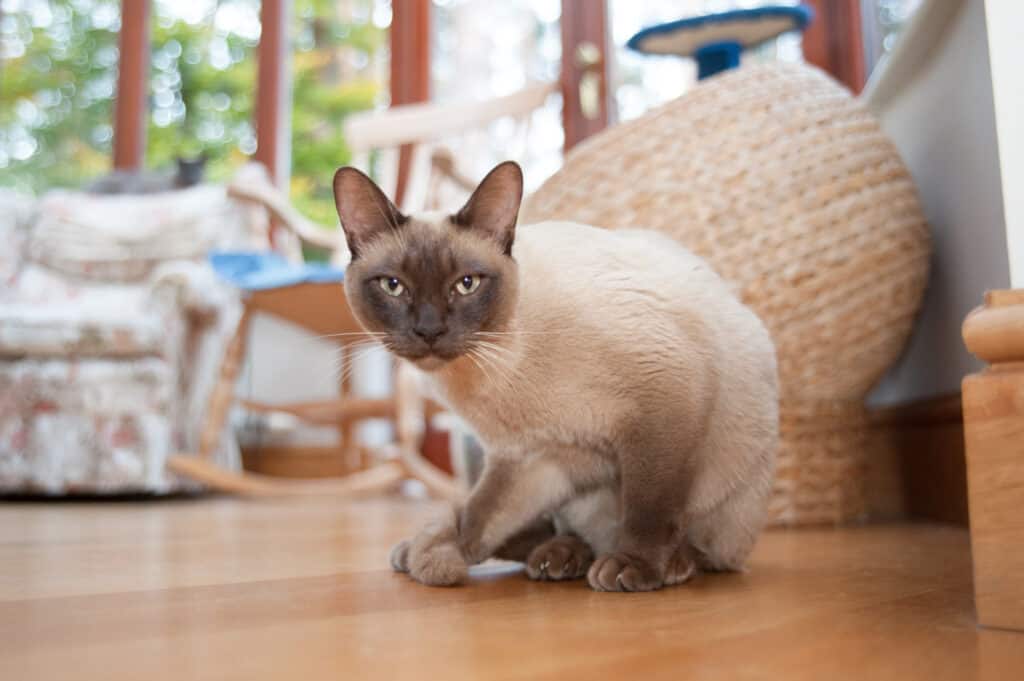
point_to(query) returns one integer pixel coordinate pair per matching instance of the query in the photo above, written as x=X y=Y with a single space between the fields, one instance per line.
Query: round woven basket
x=786 y=184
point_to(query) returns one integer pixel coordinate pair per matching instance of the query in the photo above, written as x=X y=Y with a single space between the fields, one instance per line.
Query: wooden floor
x=223 y=589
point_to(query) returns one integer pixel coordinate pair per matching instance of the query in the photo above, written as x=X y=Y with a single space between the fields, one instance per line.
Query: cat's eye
x=467 y=284
x=391 y=285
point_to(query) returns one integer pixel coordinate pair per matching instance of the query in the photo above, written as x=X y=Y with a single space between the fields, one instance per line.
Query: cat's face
x=431 y=286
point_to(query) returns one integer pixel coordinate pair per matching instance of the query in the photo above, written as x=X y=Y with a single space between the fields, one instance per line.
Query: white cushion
x=122 y=237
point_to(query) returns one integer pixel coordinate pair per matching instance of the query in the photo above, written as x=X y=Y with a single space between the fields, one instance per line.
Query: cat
x=627 y=401
x=189 y=172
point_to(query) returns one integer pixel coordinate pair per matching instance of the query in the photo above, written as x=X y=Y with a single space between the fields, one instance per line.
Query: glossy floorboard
x=225 y=589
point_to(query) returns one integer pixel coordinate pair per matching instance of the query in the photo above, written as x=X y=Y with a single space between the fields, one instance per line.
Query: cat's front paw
x=433 y=556
x=561 y=557
x=440 y=564
x=624 y=572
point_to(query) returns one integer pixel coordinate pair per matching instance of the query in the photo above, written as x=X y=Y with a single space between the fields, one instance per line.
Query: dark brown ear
x=364 y=210
x=494 y=206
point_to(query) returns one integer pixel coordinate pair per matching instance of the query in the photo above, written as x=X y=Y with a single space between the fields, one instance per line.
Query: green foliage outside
x=60 y=73
x=336 y=51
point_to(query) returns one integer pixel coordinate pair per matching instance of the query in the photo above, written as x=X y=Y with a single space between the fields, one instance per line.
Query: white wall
x=934 y=98
x=287 y=364
x=1005 y=24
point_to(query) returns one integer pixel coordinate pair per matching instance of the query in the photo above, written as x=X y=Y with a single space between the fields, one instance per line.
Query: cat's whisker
x=505 y=353
x=517 y=333
x=350 y=368
x=477 y=359
x=522 y=332
x=508 y=359
x=473 y=358
x=501 y=376
x=492 y=344
x=501 y=366
x=347 y=334
x=347 y=360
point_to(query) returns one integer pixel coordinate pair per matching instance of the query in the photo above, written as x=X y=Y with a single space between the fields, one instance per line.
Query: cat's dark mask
x=431 y=286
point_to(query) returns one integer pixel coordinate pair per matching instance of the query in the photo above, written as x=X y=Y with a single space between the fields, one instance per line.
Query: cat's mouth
x=430 y=362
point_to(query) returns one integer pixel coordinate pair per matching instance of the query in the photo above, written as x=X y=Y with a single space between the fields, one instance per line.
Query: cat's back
x=588 y=271
x=658 y=319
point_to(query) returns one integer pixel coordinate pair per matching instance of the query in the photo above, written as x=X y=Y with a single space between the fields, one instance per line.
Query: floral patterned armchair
x=111 y=330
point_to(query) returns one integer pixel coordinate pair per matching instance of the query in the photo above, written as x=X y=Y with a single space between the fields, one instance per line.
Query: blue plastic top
x=746 y=27
x=258 y=271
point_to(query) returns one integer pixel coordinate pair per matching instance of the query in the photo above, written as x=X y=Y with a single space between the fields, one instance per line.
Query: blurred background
x=60 y=59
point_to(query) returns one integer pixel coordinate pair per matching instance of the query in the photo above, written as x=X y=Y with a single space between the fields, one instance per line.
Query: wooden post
x=584 y=69
x=410 y=69
x=834 y=41
x=273 y=92
x=132 y=77
x=993 y=403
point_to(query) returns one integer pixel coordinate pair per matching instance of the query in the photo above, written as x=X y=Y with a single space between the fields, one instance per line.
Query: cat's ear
x=493 y=208
x=364 y=210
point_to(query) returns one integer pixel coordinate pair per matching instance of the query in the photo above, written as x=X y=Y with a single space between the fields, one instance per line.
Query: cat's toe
x=681 y=567
x=400 y=556
x=562 y=557
x=624 y=572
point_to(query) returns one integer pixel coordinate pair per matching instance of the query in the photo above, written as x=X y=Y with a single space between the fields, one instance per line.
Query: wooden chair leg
x=351 y=458
x=407 y=409
x=223 y=394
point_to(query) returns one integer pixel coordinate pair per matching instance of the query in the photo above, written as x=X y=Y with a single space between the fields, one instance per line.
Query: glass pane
x=202 y=81
x=339 y=66
x=641 y=81
x=59 y=76
x=884 y=20
x=482 y=50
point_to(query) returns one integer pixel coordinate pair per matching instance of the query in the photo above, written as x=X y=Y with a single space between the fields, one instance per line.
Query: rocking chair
x=316 y=304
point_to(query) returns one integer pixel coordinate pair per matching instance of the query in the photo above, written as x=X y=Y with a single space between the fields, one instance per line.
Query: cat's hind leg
x=586 y=524
x=723 y=537
x=519 y=546
x=564 y=556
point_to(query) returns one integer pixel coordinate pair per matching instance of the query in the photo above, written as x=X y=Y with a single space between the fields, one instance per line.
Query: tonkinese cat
x=626 y=399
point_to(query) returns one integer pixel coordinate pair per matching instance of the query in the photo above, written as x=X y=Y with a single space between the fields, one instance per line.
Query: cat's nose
x=429 y=332
x=429 y=323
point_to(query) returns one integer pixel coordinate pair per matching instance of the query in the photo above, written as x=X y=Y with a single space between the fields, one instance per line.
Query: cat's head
x=432 y=285
x=190 y=170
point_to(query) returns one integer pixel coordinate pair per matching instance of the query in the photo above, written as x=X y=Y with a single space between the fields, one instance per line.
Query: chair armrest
x=191 y=287
x=259 y=190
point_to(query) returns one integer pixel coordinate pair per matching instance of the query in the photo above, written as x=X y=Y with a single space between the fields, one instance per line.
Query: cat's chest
x=493 y=414
x=525 y=414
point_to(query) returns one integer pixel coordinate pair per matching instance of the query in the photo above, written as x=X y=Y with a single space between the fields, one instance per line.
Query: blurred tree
x=59 y=62
x=202 y=83
x=335 y=72
x=60 y=74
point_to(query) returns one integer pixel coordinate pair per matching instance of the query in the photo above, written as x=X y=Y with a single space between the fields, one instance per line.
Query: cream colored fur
x=620 y=330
